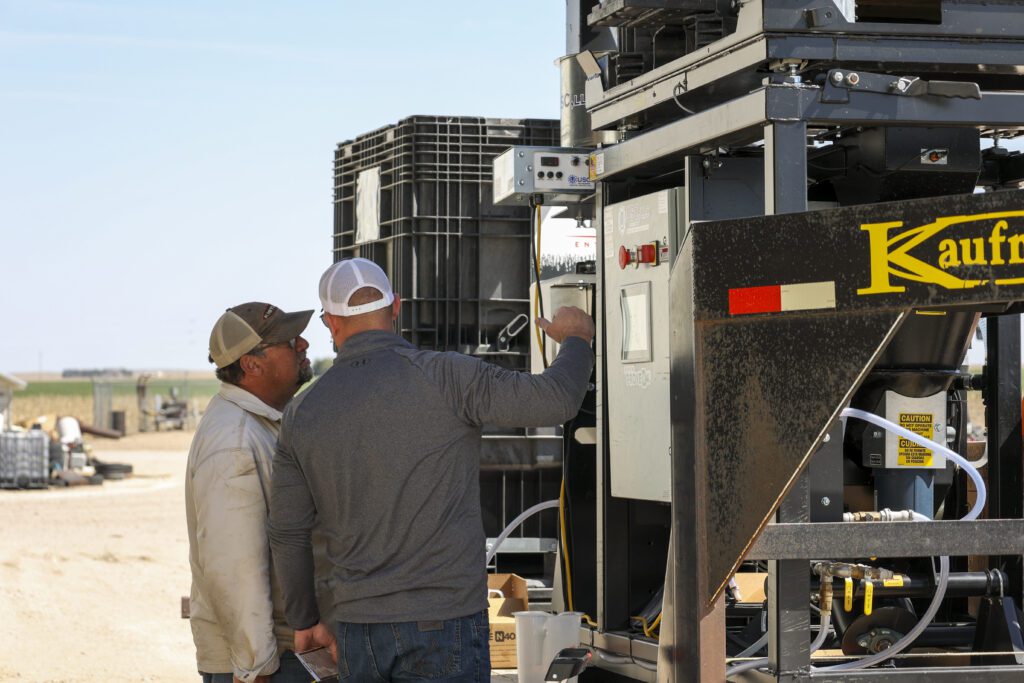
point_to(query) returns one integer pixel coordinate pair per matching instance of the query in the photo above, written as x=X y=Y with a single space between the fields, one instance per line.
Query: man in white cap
x=236 y=610
x=383 y=453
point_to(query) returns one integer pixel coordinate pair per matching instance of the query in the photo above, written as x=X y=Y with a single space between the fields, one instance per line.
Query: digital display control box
x=561 y=175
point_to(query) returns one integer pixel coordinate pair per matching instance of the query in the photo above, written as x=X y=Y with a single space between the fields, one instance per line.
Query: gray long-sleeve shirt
x=385 y=450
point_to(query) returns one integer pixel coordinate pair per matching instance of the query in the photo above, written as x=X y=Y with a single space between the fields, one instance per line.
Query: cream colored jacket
x=237 y=613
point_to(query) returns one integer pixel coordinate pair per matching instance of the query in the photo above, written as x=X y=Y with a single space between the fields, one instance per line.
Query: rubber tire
x=113 y=470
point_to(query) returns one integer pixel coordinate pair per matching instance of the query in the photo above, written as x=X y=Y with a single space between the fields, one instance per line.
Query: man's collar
x=248 y=402
x=370 y=340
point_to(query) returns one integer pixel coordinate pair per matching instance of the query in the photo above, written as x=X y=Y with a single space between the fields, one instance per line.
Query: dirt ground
x=91 y=577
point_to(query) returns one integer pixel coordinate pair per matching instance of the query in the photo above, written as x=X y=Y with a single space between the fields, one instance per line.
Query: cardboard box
x=499 y=613
x=751 y=586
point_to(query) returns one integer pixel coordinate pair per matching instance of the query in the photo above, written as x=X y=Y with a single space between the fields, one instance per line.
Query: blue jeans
x=290 y=671
x=456 y=650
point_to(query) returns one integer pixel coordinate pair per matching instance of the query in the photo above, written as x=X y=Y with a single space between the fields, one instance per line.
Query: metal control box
x=560 y=174
x=638 y=247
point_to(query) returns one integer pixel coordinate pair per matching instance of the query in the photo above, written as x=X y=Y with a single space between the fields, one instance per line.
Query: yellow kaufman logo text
x=890 y=253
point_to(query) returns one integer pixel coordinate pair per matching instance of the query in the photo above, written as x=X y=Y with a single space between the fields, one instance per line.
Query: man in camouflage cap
x=236 y=610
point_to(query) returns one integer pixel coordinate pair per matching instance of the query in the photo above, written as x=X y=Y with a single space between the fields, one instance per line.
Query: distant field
x=74 y=397
x=80 y=387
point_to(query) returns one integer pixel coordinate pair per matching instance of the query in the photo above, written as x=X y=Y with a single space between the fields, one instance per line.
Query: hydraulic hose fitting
x=849 y=570
x=823 y=570
x=885 y=515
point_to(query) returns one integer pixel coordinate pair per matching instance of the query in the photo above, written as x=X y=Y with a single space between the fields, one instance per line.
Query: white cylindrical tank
x=68 y=430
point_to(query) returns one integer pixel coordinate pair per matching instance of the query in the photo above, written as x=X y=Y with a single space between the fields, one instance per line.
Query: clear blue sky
x=161 y=160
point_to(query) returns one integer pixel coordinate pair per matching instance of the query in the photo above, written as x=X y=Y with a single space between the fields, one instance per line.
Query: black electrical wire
x=535 y=234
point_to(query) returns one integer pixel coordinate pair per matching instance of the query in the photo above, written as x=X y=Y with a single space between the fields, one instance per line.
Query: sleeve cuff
x=574 y=341
x=268 y=669
x=271 y=667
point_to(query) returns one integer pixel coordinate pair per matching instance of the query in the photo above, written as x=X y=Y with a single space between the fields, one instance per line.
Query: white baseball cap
x=344 y=278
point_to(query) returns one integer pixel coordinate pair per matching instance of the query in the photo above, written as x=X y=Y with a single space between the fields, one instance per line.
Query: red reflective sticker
x=747 y=300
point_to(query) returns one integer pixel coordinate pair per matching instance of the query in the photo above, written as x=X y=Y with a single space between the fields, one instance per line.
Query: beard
x=305 y=374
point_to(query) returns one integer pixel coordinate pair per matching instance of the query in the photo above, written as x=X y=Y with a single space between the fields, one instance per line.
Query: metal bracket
x=839 y=83
x=823 y=16
x=710 y=163
x=509 y=332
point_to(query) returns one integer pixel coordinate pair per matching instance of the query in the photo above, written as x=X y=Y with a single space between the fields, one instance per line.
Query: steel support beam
x=897 y=539
x=789 y=622
x=745 y=115
x=988 y=674
x=788 y=587
x=741 y=121
x=692 y=640
x=1003 y=419
x=612 y=516
x=659 y=87
x=785 y=167
x=993 y=110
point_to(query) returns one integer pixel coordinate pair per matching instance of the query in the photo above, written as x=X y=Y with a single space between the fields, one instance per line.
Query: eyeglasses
x=323 y=319
x=292 y=344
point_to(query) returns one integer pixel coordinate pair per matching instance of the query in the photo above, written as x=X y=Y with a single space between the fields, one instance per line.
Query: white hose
x=515 y=523
x=963 y=462
x=823 y=630
x=826 y=621
x=940 y=589
x=758 y=644
x=904 y=642
x=737 y=669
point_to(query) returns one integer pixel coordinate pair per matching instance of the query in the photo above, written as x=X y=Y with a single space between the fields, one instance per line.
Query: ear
x=333 y=323
x=252 y=365
x=396 y=307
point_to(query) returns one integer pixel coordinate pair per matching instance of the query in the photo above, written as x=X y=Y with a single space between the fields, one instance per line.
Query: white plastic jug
x=540 y=636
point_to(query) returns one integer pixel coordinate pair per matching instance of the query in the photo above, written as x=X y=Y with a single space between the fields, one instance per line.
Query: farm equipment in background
x=32 y=457
x=172 y=412
x=71 y=459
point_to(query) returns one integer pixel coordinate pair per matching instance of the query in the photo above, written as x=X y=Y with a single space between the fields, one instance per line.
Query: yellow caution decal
x=910 y=453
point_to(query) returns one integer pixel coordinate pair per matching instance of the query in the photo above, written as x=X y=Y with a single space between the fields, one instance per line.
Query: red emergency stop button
x=647 y=253
x=624 y=257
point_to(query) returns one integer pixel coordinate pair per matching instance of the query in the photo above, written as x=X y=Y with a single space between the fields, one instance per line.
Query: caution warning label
x=909 y=453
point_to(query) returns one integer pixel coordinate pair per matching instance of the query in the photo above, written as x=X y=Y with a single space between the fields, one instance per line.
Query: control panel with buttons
x=638 y=245
x=650 y=253
x=560 y=175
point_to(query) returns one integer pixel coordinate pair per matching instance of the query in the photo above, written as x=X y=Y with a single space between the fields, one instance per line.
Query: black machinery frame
x=789 y=393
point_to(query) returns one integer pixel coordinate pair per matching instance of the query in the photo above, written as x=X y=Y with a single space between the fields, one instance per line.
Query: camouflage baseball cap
x=244 y=327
